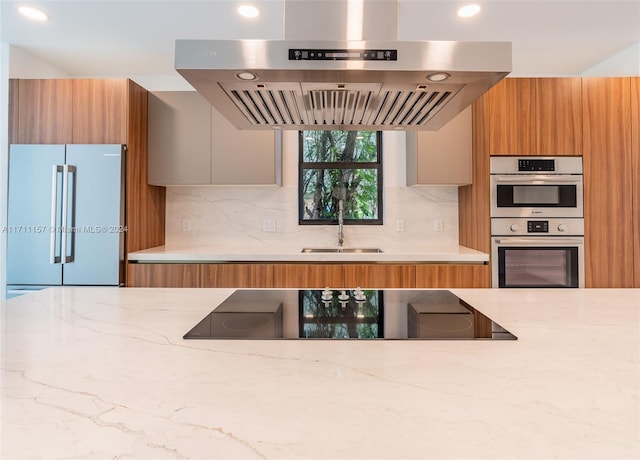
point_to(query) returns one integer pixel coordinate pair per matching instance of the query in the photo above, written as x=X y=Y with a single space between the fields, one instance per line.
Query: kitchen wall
x=234 y=215
x=4 y=162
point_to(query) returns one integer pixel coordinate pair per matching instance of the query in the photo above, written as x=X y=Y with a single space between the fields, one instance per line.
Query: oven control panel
x=537 y=227
x=536 y=165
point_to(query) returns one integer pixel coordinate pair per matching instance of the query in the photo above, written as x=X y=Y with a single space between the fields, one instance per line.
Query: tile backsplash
x=235 y=215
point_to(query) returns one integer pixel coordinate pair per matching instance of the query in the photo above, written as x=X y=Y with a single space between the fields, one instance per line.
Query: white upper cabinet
x=441 y=157
x=190 y=143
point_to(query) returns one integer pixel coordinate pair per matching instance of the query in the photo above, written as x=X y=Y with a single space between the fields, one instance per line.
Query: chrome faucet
x=340 y=223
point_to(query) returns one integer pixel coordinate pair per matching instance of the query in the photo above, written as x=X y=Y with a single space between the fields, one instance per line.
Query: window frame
x=377 y=165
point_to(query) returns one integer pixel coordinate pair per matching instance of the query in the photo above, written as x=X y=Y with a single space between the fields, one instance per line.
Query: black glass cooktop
x=347 y=314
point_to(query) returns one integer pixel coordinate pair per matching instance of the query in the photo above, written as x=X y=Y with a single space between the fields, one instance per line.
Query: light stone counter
x=104 y=373
x=410 y=253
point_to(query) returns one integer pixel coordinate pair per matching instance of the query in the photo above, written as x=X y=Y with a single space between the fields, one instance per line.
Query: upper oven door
x=536 y=195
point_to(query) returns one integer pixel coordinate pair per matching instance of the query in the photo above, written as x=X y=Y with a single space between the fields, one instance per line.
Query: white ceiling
x=103 y=38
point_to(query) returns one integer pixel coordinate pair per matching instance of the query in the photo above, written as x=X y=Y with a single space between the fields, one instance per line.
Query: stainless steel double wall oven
x=537 y=222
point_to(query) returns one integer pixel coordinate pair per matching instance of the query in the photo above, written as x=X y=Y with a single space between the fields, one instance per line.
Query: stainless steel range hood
x=376 y=85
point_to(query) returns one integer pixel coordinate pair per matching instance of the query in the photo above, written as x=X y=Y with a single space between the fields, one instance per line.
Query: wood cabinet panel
x=14 y=110
x=236 y=275
x=635 y=153
x=45 y=112
x=99 y=111
x=558 y=116
x=453 y=276
x=608 y=182
x=163 y=275
x=145 y=204
x=369 y=276
x=511 y=123
x=473 y=200
x=308 y=276
x=535 y=116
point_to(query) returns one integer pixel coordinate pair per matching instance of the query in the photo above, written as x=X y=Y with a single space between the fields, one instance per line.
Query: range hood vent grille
x=284 y=84
x=370 y=105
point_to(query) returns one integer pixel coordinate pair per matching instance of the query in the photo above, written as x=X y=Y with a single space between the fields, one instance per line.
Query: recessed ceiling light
x=33 y=13
x=468 y=10
x=248 y=11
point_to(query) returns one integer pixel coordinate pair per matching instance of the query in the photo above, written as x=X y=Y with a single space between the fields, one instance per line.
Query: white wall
x=233 y=215
x=625 y=63
x=4 y=156
x=25 y=65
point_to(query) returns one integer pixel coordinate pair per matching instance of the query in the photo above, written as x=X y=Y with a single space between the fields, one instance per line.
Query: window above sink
x=339 y=166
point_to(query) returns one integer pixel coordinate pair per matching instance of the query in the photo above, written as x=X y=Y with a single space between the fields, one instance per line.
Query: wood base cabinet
x=453 y=276
x=200 y=275
x=380 y=276
x=236 y=275
x=163 y=275
x=307 y=276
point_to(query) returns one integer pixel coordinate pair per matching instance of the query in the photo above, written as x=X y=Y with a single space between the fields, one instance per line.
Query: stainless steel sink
x=342 y=250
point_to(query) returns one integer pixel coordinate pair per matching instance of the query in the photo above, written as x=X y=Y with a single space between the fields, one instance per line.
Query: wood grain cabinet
x=181 y=275
x=164 y=275
x=41 y=111
x=380 y=275
x=441 y=157
x=95 y=111
x=534 y=116
x=99 y=111
x=453 y=276
x=236 y=275
x=635 y=152
x=308 y=276
x=609 y=183
x=191 y=143
x=598 y=118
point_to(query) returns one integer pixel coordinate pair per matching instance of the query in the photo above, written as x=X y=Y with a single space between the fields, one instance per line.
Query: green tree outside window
x=340 y=165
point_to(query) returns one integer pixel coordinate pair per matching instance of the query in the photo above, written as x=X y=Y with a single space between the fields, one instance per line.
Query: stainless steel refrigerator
x=65 y=216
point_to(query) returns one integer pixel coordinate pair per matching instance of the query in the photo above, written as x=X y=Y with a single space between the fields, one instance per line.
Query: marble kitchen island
x=104 y=373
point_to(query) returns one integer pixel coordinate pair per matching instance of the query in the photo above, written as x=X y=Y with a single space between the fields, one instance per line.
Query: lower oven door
x=537 y=262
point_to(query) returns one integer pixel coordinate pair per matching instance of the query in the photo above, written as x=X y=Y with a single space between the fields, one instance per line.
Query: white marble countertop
x=415 y=253
x=94 y=373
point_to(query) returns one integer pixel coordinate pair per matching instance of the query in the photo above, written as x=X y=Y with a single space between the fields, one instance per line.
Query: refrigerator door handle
x=66 y=224
x=53 y=230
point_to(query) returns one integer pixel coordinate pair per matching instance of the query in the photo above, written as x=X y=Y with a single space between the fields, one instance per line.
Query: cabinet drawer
x=453 y=276
x=380 y=276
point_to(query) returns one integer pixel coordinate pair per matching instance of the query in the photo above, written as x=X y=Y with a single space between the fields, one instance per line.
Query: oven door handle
x=539 y=241
x=537 y=178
